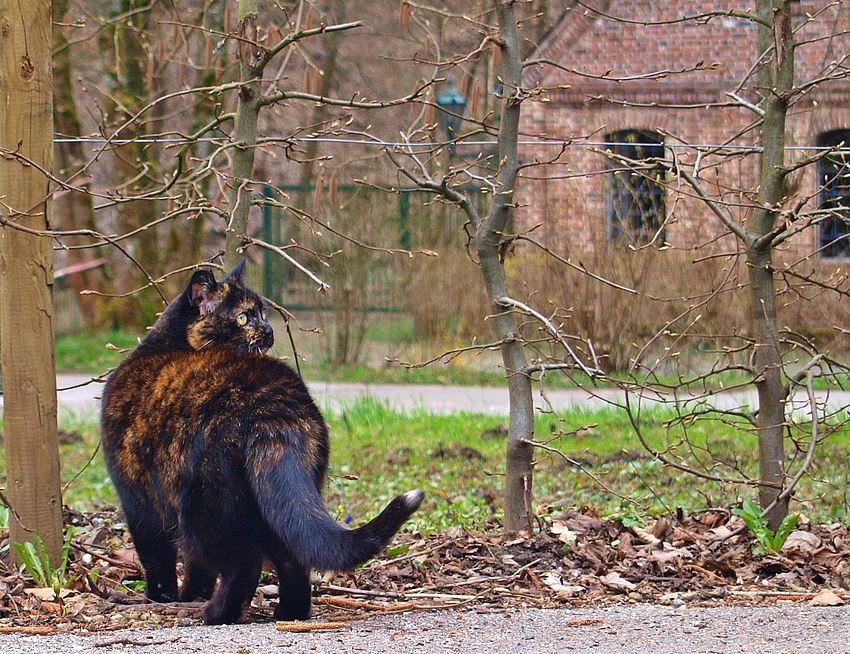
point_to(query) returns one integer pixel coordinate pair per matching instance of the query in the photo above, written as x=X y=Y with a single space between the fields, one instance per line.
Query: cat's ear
x=236 y=274
x=202 y=291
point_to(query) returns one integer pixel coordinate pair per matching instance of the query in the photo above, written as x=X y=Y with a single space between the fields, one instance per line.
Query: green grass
x=96 y=352
x=389 y=452
x=378 y=452
x=85 y=481
x=92 y=352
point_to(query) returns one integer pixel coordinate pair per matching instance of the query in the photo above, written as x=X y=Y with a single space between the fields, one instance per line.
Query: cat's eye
x=263 y=314
x=242 y=319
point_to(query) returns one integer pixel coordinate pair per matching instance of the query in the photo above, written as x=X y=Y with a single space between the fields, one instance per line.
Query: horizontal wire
x=402 y=144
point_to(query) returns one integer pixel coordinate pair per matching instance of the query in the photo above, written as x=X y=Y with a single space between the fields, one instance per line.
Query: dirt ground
x=575 y=560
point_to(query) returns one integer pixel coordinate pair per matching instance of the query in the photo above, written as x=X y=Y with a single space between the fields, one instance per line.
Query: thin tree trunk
x=74 y=210
x=26 y=276
x=518 y=468
x=775 y=80
x=130 y=93
x=321 y=114
x=244 y=132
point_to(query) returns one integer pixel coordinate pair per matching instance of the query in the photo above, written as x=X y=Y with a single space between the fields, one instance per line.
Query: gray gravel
x=636 y=629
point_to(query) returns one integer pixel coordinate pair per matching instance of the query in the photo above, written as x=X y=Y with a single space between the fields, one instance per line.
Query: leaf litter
x=573 y=559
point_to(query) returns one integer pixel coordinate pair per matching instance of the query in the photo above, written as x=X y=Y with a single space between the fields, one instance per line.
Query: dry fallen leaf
x=670 y=555
x=646 y=536
x=569 y=592
x=802 y=541
x=615 y=581
x=564 y=533
x=826 y=597
x=555 y=582
x=127 y=556
x=48 y=594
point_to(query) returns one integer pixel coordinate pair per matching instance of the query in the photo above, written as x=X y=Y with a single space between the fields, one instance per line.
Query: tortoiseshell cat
x=218 y=451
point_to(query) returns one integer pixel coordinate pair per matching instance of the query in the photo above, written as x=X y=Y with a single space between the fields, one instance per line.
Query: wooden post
x=26 y=275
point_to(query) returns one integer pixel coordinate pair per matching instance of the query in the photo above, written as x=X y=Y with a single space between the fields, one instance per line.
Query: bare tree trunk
x=135 y=163
x=74 y=210
x=320 y=113
x=245 y=131
x=775 y=81
x=518 y=469
x=26 y=275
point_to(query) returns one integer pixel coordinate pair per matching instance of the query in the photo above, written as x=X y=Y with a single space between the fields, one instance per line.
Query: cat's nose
x=267 y=329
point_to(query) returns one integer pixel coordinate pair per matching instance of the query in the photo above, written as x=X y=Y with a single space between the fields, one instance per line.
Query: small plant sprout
x=769 y=541
x=36 y=562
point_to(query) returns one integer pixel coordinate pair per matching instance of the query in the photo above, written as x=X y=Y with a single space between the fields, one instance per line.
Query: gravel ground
x=636 y=629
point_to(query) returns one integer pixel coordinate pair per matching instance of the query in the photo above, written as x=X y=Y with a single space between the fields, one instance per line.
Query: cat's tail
x=292 y=506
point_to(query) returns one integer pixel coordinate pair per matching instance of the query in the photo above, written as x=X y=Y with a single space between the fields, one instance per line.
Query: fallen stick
x=304 y=627
x=359 y=591
x=32 y=631
x=134 y=641
x=357 y=605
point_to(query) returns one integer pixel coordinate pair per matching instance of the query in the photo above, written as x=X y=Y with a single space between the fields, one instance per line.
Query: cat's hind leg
x=294 y=589
x=198 y=580
x=157 y=552
x=235 y=590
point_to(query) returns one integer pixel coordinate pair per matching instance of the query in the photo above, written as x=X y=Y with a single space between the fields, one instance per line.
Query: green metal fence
x=403 y=220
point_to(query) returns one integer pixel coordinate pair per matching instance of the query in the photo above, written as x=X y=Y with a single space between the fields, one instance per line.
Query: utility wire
x=402 y=144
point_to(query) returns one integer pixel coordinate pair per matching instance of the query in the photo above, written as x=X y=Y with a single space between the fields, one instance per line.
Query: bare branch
x=702 y=17
x=510 y=302
x=324 y=287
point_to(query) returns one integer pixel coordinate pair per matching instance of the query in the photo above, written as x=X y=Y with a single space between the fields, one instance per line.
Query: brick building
x=632 y=79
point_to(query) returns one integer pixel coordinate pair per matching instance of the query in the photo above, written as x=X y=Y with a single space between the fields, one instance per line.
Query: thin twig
x=324 y=287
x=83 y=469
x=306 y=627
x=579 y=466
x=135 y=641
x=507 y=301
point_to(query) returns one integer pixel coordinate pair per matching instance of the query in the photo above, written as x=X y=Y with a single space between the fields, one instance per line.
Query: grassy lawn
x=378 y=453
x=457 y=459
x=95 y=353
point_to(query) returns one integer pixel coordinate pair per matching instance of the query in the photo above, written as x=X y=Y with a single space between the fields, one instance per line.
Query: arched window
x=634 y=198
x=834 y=194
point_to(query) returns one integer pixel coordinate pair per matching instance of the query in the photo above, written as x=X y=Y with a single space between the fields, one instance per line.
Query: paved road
x=82 y=396
x=637 y=629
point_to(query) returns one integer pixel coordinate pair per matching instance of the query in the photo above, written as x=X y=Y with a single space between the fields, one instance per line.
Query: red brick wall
x=567 y=198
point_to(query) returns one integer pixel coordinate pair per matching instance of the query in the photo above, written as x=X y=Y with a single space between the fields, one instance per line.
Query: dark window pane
x=634 y=200
x=834 y=195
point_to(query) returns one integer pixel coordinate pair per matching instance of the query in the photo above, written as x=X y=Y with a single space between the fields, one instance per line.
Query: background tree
x=74 y=210
x=489 y=242
x=762 y=235
x=213 y=140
